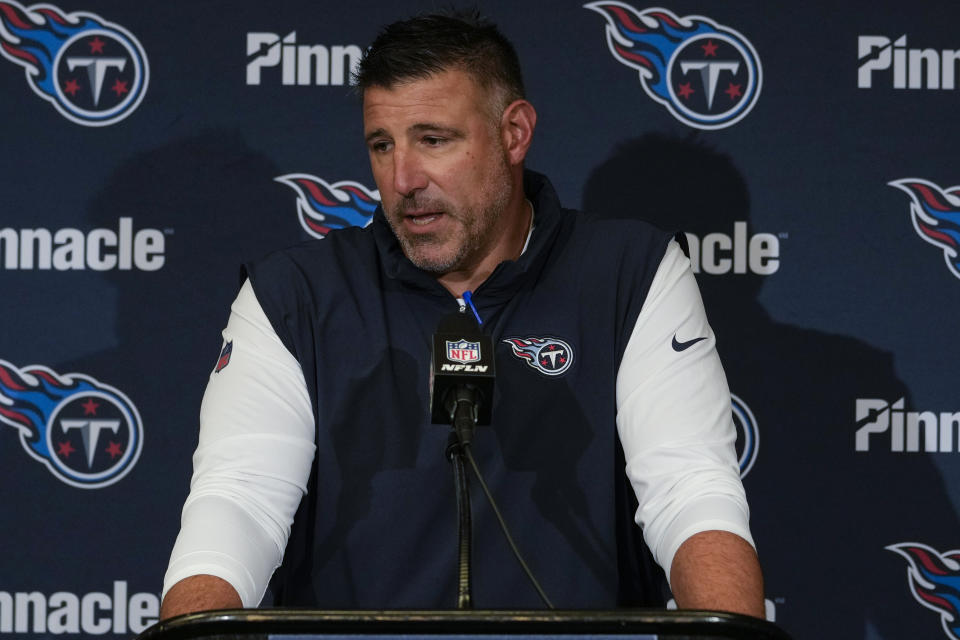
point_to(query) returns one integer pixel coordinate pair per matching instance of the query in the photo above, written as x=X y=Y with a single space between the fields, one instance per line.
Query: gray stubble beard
x=473 y=237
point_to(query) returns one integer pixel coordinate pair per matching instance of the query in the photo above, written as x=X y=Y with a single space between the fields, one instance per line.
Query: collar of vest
x=509 y=273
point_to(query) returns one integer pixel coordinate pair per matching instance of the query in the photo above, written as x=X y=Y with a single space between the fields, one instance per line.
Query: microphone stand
x=463 y=412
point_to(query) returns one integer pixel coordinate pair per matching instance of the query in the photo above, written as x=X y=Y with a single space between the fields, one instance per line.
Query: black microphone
x=461 y=372
x=461 y=395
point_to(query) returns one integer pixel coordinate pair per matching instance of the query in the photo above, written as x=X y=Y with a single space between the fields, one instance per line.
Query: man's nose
x=408 y=173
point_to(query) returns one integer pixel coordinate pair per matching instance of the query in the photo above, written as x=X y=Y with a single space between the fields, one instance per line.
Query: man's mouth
x=425 y=218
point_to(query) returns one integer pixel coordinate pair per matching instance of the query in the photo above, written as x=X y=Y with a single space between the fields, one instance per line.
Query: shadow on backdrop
x=214 y=198
x=822 y=513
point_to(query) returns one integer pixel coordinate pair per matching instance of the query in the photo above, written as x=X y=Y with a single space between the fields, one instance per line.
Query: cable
x=503 y=526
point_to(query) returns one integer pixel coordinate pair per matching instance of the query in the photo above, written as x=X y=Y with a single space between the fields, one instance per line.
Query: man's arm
x=199 y=593
x=251 y=468
x=718 y=570
x=675 y=425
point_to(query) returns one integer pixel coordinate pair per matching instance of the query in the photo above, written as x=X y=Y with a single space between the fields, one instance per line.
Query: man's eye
x=433 y=141
x=380 y=146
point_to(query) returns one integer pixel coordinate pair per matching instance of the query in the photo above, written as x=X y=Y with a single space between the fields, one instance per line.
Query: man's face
x=439 y=163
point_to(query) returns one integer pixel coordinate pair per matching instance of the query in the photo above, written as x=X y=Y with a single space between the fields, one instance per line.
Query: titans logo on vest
x=707 y=75
x=549 y=356
x=935 y=213
x=322 y=206
x=88 y=434
x=934 y=578
x=92 y=71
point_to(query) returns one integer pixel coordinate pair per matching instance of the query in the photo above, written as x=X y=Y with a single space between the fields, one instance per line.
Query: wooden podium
x=307 y=624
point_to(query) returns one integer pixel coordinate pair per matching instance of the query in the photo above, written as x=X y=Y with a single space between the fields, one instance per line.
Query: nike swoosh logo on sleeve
x=682 y=346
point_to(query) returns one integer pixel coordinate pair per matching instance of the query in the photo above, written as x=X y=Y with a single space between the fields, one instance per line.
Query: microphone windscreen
x=461 y=355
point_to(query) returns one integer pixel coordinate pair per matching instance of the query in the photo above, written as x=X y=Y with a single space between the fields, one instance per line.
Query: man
x=323 y=402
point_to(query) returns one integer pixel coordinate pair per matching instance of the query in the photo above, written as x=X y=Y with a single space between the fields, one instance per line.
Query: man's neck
x=520 y=218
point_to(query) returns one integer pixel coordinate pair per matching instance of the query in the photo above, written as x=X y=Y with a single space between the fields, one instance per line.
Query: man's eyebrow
x=423 y=127
x=376 y=133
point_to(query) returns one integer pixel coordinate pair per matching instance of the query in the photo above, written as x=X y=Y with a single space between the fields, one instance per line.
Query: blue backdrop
x=809 y=149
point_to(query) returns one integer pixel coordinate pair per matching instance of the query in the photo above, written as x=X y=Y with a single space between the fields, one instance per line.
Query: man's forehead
x=430 y=98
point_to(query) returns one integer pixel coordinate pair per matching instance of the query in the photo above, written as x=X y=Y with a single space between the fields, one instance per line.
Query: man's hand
x=717 y=570
x=199 y=593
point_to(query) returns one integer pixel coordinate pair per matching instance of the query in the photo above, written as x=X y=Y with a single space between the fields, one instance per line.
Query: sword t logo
x=96 y=71
x=709 y=74
x=90 y=432
x=552 y=355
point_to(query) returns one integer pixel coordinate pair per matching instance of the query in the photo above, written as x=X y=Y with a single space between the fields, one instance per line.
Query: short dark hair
x=422 y=46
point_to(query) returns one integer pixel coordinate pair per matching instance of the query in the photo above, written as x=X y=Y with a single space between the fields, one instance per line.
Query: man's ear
x=516 y=130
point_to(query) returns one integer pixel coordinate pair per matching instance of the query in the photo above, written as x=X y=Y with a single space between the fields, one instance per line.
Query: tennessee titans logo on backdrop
x=323 y=207
x=748 y=436
x=94 y=72
x=707 y=75
x=88 y=434
x=549 y=356
x=936 y=216
x=934 y=581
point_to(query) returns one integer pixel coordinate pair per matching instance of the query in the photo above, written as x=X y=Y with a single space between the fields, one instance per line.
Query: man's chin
x=434 y=260
x=434 y=265
x=432 y=252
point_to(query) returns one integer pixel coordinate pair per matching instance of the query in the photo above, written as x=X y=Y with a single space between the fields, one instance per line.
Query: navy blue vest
x=378 y=526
